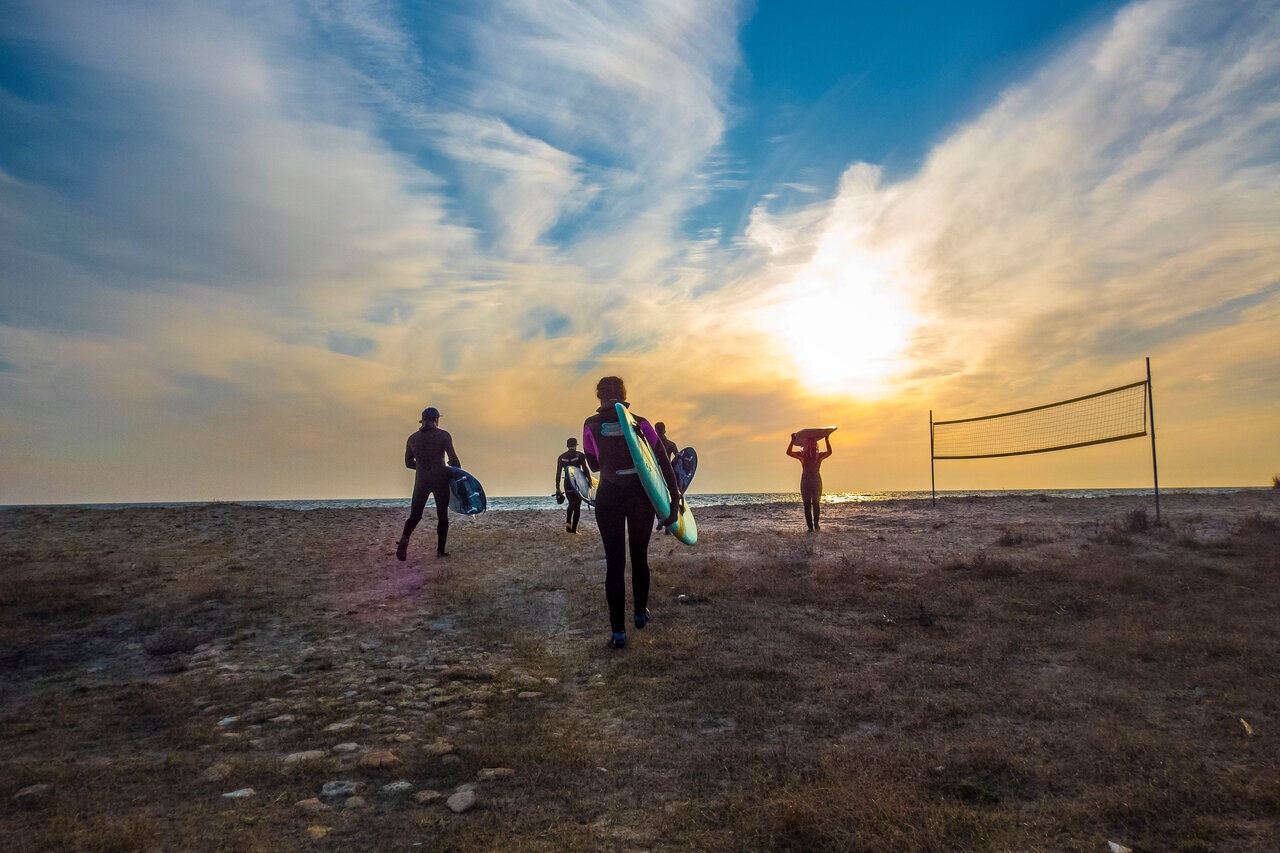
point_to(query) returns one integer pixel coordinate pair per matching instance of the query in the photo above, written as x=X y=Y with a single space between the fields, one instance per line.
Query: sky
x=244 y=243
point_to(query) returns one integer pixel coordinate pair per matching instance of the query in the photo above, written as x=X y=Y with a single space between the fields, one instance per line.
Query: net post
x=1151 y=411
x=933 y=490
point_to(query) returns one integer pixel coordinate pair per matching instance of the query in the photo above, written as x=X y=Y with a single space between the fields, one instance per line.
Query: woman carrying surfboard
x=624 y=512
x=810 y=463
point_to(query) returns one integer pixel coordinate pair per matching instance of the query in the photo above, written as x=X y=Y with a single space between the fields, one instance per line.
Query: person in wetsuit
x=672 y=450
x=571 y=456
x=425 y=453
x=623 y=511
x=810 y=478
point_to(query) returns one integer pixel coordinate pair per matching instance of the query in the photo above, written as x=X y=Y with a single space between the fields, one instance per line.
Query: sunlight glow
x=845 y=328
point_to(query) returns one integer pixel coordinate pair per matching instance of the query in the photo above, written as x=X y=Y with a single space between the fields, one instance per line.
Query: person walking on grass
x=425 y=452
x=623 y=511
x=564 y=488
x=672 y=450
x=810 y=476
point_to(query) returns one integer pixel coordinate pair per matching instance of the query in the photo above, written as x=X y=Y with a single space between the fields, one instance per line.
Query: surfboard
x=816 y=433
x=466 y=495
x=582 y=483
x=686 y=464
x=685 y=528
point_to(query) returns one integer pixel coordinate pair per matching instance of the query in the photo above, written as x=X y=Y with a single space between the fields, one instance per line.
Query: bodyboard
x=686 y=465
x=582 y=483
x=815 y=433
x=466 y=495
x=685 y=528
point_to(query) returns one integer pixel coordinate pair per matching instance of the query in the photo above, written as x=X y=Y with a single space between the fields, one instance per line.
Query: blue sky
x=241 y=243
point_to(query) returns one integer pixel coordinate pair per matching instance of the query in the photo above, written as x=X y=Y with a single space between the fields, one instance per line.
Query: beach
x=1025 y=672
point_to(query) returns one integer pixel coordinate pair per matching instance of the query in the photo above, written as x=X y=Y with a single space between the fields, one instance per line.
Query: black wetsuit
x=672 y=450
x=425 y=452
x=811 y=482
x=623 y=511
x=574 y=510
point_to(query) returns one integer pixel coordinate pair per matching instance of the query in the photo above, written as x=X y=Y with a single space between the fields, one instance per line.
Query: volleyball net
x=1112 y=415
x=1116 y=414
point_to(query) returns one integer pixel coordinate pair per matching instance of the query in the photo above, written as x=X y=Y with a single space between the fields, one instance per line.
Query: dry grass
x=889 y=684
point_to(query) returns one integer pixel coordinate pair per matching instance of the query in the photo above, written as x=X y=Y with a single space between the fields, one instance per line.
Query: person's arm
x=409 y=461
x=589 y=449
x=793 y=453
x=450 y=452
x=824 y=454
x=559 y=469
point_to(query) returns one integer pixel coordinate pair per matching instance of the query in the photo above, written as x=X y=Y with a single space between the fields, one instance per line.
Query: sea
x=695 y=500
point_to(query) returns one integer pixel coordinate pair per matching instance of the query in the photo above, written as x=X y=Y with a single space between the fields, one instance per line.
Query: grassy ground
x=1002 y=673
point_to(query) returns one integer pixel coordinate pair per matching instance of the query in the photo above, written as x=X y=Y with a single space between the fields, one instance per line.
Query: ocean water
x=696 y=500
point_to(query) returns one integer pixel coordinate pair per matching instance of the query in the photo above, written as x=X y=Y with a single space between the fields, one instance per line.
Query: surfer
x=623 y=511
x=810 y=477
x=672 y=450
x=571 y=456
x=425 y=453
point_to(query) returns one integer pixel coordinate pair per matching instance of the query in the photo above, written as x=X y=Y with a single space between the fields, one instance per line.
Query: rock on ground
x=461 y=801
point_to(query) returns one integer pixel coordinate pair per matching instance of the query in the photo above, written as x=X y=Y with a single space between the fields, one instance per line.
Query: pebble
x=317 y=832
x=32 y=793
x=218 y=772
x=488 y=774
x=427 y=797
x=239 y=794
x=354 y=802
x=283 y=719
x=378 y=758
x=398 y=787
x=528 y=694
x=339 y=727
x=305 y=755
x=312 y=805
x=226 y=721
x=461 y=801
x=402 y=737
x=339 y=788
x=346 y=747
x=439 y=747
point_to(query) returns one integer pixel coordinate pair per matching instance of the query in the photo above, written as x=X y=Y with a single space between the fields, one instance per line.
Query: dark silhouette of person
x=672 y=450
x=425 y=453
x=623 y=511
x=810 y=478
x=571 y=456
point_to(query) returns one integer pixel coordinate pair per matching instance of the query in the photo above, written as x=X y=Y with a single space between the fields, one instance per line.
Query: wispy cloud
x=273 y=230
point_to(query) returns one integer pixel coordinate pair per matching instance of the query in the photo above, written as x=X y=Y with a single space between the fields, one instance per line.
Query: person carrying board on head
x=571 y=456
x=425 y=453
x=624 y=513
x=810 y=476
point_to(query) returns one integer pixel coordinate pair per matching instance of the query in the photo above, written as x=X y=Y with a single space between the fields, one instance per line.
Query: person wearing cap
x=571 y=456
x=425 y=452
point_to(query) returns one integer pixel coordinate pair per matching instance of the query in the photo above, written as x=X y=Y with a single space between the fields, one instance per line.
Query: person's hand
x=673 y=516
x=793 y=438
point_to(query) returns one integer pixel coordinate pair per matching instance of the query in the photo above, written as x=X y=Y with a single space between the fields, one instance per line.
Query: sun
x=845 y=328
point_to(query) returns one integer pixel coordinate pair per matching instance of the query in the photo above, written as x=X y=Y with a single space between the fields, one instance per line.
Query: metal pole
x=1151 y=409
x=933 y=489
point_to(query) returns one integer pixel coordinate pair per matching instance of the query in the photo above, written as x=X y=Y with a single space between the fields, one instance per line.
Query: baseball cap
x=572 y=441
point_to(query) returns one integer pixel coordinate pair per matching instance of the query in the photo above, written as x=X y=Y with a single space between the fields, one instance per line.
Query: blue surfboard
x=466 y=495
x=685 y=528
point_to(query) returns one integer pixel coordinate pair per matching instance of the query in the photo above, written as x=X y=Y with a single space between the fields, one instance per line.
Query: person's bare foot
x=402 y=550
x=442 y=553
